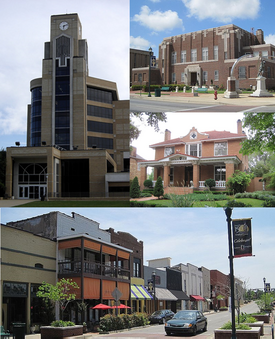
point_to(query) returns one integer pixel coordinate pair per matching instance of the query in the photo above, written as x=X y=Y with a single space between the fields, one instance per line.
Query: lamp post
x=154 y=287
x=150 y=55
x=47 y=197
x=228 y=212
x=264 y=293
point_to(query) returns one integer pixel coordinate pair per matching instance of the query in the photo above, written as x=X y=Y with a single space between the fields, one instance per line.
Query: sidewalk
x=204 y=98
x=14 y=202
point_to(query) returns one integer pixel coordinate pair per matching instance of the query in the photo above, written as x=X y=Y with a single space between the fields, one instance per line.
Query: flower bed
x=253 y=333
x=262 y=317
x=60 y=332
x=257 y=324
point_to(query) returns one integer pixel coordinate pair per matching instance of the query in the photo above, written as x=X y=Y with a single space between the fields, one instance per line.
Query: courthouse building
x=77 y=128
x=206 y=58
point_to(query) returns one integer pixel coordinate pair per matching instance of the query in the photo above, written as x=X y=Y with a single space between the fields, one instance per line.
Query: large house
x=77 y=128
x=185 y=163
x=206 y=58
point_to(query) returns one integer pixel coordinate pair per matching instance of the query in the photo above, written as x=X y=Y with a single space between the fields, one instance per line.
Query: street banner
x=153 y=61
x=242 y=238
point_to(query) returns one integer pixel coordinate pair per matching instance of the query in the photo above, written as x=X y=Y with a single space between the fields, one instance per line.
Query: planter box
x=263 y=317
x=60 y=332
x=240 y=334
x=258 y=324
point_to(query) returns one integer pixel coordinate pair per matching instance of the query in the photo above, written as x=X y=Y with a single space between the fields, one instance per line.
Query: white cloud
x=223 y=10
x=155 y=0
x=270 y=39
x=158 y=21
x=139 y=43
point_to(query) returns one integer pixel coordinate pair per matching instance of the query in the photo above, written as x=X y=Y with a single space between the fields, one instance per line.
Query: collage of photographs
x=137 y=169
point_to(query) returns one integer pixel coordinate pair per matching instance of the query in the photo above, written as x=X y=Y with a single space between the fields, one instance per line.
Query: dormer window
x=220 y=148
x=168 y=151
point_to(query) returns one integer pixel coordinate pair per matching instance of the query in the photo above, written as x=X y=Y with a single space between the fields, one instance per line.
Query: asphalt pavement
x=207 y=102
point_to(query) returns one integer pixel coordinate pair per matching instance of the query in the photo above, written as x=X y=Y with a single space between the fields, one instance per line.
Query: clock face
x=193 y=135
x=64 y=25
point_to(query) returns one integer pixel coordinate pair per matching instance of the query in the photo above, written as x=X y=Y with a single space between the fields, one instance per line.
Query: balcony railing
x=74 y=267
x=219 y=184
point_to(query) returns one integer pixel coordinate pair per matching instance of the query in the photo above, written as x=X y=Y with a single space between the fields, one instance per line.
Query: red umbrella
x=121 y=306
x=101 y=307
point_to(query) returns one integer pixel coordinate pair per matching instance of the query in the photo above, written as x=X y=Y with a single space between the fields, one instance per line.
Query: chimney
x=167 y=135
x=239 y=127
x=260 y=37
x=133 y=151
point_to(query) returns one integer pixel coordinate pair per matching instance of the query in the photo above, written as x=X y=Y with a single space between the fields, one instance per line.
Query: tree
x=135 y=189
x=158 y=189
x=261 y=134
x=62 y=293
x=152 y=119
x=238 y=181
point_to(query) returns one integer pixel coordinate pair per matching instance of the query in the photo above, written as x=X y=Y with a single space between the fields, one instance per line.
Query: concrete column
x=8 y=173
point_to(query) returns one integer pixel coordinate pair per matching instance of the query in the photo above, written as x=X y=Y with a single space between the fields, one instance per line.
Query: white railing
x=219 y=184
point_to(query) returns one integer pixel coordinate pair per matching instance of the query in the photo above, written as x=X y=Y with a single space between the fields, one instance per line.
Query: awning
x=164 y=294
x=196 y=298
x=140 y=292
x=180 y=295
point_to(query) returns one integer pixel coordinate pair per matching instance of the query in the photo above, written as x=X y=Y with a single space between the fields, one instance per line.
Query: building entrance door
x=193 y=78
x=32 y=192
x=188 y=175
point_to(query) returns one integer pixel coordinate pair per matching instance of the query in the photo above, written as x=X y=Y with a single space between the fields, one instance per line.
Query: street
x=200 y=104
x=215 y=320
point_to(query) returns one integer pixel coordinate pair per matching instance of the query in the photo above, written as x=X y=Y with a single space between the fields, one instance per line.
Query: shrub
x=182 y=200
x=238 y=181
x=234 y=203
x=246 y=318
x=61 y=323
x=158 y=190
x=113 y=323
x=269 y=203
x=228 y=326
x=148 y=183
x=134 y=189
x=210 y=183
x=145 y=195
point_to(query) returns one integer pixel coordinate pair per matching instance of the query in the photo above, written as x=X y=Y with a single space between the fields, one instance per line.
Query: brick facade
x=206 y=58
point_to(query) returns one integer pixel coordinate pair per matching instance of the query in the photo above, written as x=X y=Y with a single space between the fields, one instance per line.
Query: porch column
x=230 y=169
x=166 y=178
x=143 y=176
x=196 y=175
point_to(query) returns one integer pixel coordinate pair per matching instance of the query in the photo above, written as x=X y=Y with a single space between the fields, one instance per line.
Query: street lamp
x=150 y=55
x=264 y=293
x=228 y=212
x=154 y=287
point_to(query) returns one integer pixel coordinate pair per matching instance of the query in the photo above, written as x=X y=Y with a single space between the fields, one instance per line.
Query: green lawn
x=219 y=203
x=79 y=203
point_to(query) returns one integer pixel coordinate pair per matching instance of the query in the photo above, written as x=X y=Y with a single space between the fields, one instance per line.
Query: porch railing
x=219 y=184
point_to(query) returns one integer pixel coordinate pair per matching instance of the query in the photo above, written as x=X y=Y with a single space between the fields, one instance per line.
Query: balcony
x=74 y=267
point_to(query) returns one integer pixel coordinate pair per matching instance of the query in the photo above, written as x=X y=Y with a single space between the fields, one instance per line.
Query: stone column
x=9 y=173
x=143 y=176
x=231 y=88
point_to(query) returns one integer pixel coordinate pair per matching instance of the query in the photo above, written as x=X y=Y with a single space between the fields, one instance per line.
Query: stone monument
x=261 y=88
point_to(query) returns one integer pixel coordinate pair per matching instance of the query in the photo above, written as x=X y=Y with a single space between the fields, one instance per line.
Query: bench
x=4 y=334
x=202 y=90
x=165 y=88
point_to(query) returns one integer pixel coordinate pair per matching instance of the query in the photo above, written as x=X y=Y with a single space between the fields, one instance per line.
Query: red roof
x=211 y=135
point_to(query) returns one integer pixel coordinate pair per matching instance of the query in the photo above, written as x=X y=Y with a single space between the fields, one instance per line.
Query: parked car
x=187 y=321
x=161 y=316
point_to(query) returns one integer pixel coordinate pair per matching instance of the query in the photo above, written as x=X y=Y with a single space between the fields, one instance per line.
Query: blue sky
x=188 y=235
x=153 y=20
x=25 y=27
